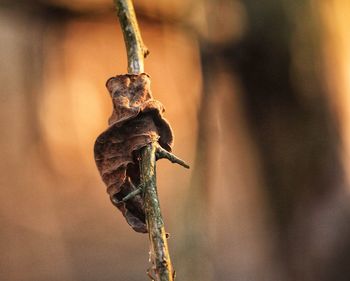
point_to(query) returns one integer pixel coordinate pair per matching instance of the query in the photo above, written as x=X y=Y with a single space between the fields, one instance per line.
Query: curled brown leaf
x=137 y=120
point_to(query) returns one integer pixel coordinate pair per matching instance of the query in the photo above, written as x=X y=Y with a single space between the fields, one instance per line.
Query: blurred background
x=257 y=93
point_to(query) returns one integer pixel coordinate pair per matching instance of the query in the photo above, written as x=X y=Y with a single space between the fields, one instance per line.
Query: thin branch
x=136 y=52
x=135 y=48
x=157 y=235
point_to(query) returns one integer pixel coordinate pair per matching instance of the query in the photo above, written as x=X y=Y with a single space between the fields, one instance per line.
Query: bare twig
x=135 y=48
x=162 y=153
x=136 y=52
x=157 y=235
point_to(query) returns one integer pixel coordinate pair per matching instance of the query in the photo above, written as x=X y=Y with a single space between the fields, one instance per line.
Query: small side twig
x=162 y=153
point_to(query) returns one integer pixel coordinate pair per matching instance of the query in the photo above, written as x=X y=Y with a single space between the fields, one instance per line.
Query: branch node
x=146 y=52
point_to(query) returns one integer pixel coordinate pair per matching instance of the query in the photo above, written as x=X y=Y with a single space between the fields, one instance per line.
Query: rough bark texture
x=135 y=122
x=159 y=248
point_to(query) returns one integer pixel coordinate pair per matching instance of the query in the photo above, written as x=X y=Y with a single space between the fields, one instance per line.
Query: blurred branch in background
x=195 y=251
x=278 y=62
x=287 y=104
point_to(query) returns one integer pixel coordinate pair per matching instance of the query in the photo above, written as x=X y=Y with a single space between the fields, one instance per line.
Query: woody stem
x=155 y=225
x=136 y=51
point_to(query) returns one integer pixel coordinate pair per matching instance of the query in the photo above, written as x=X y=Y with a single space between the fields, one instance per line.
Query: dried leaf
x=135 y=122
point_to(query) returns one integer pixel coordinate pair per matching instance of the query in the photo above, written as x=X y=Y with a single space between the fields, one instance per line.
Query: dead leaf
x=135 y=122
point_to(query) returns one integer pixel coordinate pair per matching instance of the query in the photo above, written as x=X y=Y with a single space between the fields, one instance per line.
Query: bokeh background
x=257 y=93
